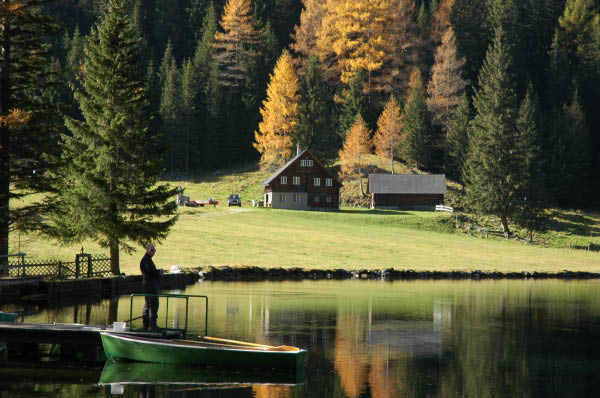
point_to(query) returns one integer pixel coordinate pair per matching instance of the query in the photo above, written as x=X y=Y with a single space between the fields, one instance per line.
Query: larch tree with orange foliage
x=441 y=21
x=305 y=35
x=388 y=137
x=446 y=86
x=236 y=43
x=357 y=144
x=274 y=139
x=29 y=122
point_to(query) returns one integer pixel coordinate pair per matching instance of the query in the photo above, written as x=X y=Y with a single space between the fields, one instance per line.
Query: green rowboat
x=209 y=351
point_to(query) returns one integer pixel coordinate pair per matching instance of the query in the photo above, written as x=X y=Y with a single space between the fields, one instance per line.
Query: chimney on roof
x=298 y=149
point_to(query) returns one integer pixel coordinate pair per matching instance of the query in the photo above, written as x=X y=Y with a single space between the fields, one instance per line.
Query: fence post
x=59 y=269
x=90 y=272
x=77 y=269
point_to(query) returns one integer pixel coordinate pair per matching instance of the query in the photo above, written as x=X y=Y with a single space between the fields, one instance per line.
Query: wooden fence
x=84 y=266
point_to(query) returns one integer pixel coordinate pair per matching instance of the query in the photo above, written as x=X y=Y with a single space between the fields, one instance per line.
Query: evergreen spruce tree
x=109 y=189
x=203 y=56
x=420 y=136
x=355 y=103
x=190 y=127
x=28 y=138
x=315 y=119
x=493 y=170
x=532 y=195
x=457 y=144
x=170 y=116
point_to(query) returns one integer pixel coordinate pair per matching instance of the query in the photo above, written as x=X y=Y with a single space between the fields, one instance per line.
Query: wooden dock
x=68 y=333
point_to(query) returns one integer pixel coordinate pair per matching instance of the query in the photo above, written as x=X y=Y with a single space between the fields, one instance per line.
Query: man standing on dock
x=150 y=284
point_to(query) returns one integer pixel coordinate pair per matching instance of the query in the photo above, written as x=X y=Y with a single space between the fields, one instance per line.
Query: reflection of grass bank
x=351 y=239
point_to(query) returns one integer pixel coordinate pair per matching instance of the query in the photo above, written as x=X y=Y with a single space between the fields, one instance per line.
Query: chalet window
x=328 y=199
x=282 y=197
x=296 y=198
x=283 y=180
x=303 y=163
x=328 y=182
x=309 y=163
x=317 y=182
x=296 y=180
x=316 y=199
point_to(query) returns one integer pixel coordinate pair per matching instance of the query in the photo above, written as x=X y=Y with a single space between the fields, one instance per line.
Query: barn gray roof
x=407 y=183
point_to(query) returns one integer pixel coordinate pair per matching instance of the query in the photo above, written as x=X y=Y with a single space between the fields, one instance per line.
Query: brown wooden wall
x=307 y=174
x=406 y=200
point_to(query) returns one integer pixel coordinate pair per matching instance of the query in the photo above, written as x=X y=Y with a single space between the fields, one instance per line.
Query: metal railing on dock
x=186 y=297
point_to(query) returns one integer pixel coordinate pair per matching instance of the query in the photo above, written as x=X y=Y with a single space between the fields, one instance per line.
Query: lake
x=364 y=339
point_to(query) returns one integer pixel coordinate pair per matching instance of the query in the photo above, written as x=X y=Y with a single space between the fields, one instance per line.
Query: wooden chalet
x=303 y=183
x=406 y=191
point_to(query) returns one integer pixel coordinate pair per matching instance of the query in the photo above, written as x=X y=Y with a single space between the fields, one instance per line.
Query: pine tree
x=109 y=192
x=446 y=85
x=420 y=137
x=75 y=54
x=275 y=138
x=532 y=195
x=457 y=145
x=472 y=33
x=560 y=77
x=236 y=44
x=493 y=171
x=441 y=21
x=27 y=134
x=191 y=90
x=355 y=103
x=388 y=137
x=168 y=62
x=578 y=23
x=357 y=145
x=315 y=130
x=170 y=113
x=305 y=35
x=203 y=56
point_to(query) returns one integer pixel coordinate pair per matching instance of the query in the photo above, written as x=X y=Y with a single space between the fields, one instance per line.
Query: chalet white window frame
x=282 y=197
x=296 y=198
x=296 y=180
x=309 y=163
x=316 y=199
x=283 y=180
x=317 y=181
x=303 y=163
x=328 y=199
x=329 y=182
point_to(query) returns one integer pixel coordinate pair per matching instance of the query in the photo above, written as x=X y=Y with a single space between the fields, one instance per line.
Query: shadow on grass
x=576 y=224
x=376 y=212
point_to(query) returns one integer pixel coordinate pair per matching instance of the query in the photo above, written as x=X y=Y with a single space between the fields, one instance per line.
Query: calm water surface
x=364 y=339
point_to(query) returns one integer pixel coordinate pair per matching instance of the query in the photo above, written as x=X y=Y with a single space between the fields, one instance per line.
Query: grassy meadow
x=353 y=238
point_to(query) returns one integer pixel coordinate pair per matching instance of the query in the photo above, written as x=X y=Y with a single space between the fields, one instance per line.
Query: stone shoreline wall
x=295 y=274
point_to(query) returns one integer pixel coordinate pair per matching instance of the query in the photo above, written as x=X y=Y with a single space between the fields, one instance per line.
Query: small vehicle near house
x=234 y=200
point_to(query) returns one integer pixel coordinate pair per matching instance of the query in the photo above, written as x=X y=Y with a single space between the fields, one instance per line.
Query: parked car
x=234 y=200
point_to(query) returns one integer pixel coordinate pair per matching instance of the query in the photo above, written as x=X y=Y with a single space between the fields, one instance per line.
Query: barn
x=303 y=183
x=406 y=191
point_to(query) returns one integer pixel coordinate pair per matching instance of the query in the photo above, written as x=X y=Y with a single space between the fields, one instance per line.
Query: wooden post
x=77 y=269
x=60 y=269
x=90 y=272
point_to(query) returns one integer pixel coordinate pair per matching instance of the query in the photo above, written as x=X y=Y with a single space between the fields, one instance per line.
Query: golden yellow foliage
x=274 y=140
x=305 y=35
x=388 y=136
x=358 y=143
x=15 y=118
x=441 y=21
x=446 y=86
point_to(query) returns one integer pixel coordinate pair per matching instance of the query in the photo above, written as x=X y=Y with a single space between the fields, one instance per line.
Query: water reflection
x=377 y=339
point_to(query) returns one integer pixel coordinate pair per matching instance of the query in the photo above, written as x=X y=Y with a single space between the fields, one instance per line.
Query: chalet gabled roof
x=289 y=163
x=407 y=183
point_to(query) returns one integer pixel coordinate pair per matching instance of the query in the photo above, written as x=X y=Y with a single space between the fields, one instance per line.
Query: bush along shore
x=389 y=274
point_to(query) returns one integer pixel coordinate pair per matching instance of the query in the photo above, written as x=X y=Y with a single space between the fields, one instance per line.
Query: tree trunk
x=114 y=256
x=392 y=159
x=504 y=221
x=4 y=140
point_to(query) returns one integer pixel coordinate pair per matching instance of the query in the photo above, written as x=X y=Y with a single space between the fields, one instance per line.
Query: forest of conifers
x=500 y=95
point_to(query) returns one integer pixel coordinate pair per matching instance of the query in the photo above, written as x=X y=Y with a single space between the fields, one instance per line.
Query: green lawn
x=350 y=239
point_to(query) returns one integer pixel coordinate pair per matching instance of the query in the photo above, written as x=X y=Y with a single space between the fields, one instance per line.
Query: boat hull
x=122 y=347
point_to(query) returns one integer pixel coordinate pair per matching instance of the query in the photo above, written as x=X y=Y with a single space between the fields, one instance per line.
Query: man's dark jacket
x=149 y=272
